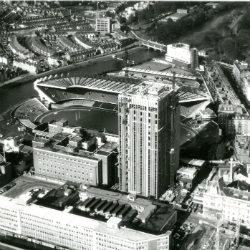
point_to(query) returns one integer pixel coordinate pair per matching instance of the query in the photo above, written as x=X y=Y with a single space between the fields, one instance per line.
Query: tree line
x=166 y=32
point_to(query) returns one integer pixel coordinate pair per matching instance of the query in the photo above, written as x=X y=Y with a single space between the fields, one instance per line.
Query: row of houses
x=18 y=49
x=30 y=66
x=34 y=44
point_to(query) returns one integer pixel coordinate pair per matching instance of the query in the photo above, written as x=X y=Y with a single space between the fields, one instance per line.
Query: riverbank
x=31 y=77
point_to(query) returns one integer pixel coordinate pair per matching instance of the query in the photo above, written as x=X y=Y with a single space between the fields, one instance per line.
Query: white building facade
x=70 y=231
x=180 y=53
x=232 y=204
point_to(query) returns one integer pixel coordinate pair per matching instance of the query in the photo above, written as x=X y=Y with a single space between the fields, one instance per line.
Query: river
x=13 y=96
x=23 y=92
x=210 y=24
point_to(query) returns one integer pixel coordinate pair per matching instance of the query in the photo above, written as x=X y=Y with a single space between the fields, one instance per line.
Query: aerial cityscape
x=124 y=125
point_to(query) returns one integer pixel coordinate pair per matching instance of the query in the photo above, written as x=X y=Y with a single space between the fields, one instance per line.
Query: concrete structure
x=148 y=113
x=103 y=25
x=181 y=54
x=69 y=231
x=151 y=44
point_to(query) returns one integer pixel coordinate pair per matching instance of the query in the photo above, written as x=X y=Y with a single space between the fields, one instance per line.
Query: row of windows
x=83 y=161
x=62 y=161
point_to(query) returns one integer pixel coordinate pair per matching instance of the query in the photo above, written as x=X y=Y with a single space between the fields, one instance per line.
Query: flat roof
x=115 y=196
x=66 y=154
x=75 y=220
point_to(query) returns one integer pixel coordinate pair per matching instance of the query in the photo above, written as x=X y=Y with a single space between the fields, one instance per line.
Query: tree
x=236 y=13
x=132 y=18
x=244 y=23
x=220 y=151
x=122 y=19
x=110 y=14
x=118 y=65
x=228 y=46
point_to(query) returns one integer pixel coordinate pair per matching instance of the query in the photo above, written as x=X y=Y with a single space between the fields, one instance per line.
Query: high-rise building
x=149 y=139
x=103 y=25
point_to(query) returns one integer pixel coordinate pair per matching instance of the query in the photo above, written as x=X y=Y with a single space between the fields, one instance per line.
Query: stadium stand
x=106 y=89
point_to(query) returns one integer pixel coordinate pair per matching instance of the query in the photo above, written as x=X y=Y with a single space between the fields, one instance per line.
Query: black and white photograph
x=124 y=125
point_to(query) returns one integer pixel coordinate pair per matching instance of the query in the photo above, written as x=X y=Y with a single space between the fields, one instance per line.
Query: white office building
x=66 y=230
x=182 y=55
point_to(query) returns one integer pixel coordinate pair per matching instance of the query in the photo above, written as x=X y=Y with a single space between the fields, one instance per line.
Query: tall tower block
x=149 y=157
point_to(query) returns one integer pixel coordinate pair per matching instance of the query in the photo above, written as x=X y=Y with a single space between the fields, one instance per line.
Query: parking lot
x=26 y=183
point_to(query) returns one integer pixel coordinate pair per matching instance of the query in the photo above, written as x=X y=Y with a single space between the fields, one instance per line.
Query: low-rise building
x=26 y=65
x=59 y=228
x=232 y=201
x=186 y=176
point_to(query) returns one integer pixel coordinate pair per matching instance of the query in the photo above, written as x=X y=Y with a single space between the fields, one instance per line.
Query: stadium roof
x=110 y=84
x=113 y=84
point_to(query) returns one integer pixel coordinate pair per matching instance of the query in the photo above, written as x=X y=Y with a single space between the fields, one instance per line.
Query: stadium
x=74 y=96
x=104 y=89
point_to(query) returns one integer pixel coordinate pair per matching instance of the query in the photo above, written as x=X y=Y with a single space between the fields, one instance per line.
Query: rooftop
x=111 y=84
x=121 y=198
x=150 y=90
x=76 y=220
